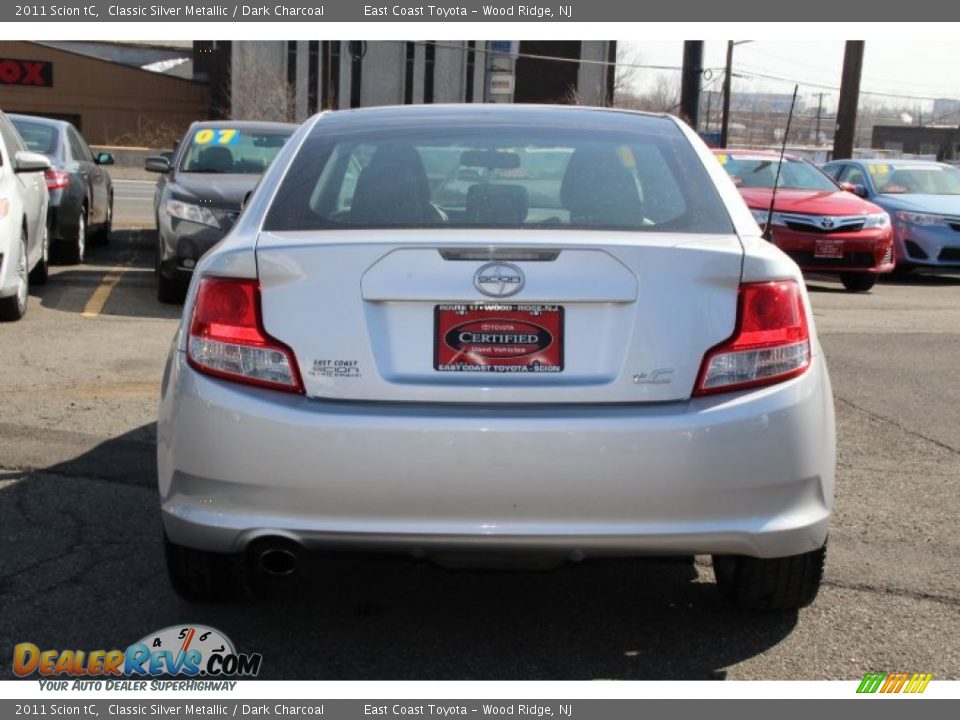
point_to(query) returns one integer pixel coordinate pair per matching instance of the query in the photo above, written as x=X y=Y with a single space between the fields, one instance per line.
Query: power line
x=751 y=73
x=818 y=68
x=552 y=58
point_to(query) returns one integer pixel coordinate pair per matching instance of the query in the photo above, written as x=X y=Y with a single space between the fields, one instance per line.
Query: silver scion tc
x=472 y=331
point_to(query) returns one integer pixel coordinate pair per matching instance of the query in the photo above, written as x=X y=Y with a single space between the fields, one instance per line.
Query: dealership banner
x=475 y=11
x=427 y=709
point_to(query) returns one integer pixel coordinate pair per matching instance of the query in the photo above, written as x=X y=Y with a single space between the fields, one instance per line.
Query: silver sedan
x=472 y=333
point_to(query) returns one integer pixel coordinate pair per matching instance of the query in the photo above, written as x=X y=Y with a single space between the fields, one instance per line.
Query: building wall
x=111 y=103
x=263 y=86
x=943 y=142
x=258 y=81
x=382 y=69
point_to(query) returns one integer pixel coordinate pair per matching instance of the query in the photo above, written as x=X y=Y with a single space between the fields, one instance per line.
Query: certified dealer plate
x=498 y=338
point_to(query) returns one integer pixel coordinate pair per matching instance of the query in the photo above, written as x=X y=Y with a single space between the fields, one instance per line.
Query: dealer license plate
x=828 y=249
x=498 y=338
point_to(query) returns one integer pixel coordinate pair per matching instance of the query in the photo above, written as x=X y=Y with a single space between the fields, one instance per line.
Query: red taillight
x=770 y=344
x=56 y=179
x=227 y=338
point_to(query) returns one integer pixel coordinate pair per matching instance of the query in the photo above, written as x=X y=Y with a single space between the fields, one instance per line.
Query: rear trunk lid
x=418 y=316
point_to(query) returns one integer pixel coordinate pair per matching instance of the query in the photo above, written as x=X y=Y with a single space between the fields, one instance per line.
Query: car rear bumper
x=64 y=220
x=749 y=473
x=869 y=250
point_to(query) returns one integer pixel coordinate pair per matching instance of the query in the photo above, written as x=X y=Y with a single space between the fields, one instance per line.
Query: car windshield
x=761 y=172
x=458 y=175
x=38 y=137
x=229 y=150
x=922 y=179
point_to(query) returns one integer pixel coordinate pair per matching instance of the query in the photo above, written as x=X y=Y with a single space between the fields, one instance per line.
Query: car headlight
x=923 y=219
x=880 y=220
x=190 y=212
x=761 y=217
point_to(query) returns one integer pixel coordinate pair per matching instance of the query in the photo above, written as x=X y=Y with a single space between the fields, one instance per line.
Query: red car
x=821 y=225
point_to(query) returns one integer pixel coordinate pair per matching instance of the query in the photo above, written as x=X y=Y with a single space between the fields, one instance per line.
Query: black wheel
x=170 y=290
x=102 y=236
x=15 y=307
x=200 y=576
x=787 y=583
x=75 y=248
x=41 y=271
x=858 y=282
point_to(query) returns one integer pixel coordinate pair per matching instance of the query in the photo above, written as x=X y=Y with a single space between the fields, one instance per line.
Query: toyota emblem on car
x=499 y=279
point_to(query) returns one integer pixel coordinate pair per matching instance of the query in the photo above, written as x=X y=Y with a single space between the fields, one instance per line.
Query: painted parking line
x=98 y=300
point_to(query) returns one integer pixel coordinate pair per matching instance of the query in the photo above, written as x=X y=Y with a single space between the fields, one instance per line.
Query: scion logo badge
x=498 y=279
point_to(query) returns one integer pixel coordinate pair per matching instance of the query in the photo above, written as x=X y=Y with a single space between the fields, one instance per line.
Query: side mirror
x=25 y=162
x=855 y=188
x=157 y=164
x=104 y=159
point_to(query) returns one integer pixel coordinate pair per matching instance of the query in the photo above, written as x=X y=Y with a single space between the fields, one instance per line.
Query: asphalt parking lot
x=81 y=563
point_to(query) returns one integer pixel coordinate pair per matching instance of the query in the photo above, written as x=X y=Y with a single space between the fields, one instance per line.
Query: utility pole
x=843 y=140
x=690 y=82
x=725 y=120
x=816 y=138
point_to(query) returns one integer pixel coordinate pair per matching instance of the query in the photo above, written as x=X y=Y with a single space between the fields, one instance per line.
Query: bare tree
x=259 y=87
x=663 y=96
x=625 y=76
x=149 y=133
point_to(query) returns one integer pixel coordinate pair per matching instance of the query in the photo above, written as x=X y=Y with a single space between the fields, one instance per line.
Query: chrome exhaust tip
x=277 y=561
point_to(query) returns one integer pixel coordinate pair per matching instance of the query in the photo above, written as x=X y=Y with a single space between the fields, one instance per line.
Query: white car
x=465 y=332
x=24 y=239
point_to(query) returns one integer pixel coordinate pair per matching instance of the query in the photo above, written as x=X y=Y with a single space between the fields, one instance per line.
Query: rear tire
x=170 y=290
x=200 y=576
x=858 y=282
x=75 y=248
x=787 y=583
x=15 y=307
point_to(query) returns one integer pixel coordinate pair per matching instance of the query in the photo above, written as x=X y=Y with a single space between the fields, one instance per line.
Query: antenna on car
x=768 y=228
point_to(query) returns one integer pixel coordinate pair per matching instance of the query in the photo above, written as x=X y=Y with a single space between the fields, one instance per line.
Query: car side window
x=854 y=175
x=834 y=171
x=78 y=148
x=358 y=160
x=88 y=153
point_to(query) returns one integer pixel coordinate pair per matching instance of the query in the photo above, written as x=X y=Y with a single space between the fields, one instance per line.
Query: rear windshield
x=499 y=176
x=761 y=172
x=38 y=137
x=228 y=150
